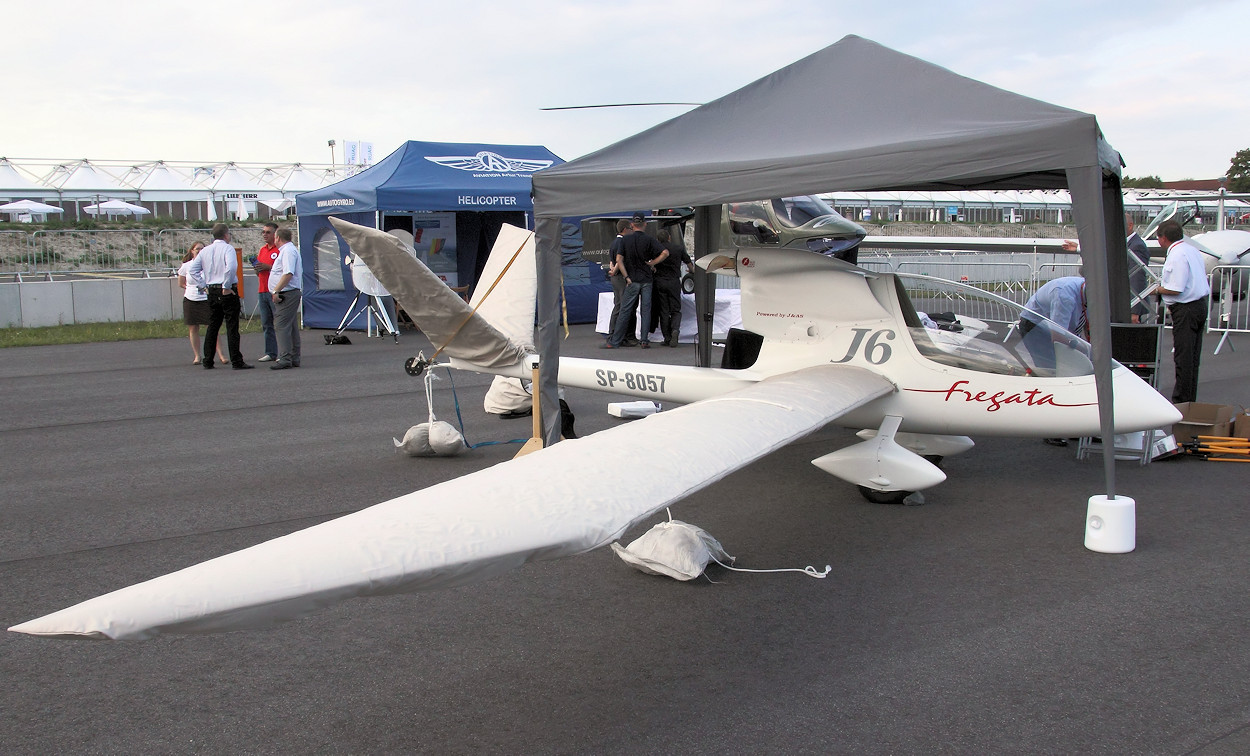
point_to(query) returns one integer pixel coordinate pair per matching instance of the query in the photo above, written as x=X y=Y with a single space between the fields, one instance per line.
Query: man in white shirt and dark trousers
x=285 y=280
x=218 y=265
x=1185 y=290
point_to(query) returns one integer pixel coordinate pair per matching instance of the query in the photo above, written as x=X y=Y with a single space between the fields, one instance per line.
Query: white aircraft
x=836 y=343
x=1221 y=248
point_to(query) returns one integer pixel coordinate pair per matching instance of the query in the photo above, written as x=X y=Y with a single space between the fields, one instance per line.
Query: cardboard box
x=1200 y=419
x=1241 y=424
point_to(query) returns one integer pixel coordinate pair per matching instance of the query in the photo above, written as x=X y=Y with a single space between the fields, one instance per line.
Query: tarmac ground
x=977 y=623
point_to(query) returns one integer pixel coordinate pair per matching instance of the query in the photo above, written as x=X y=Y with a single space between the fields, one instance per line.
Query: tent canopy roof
x=14 y=184
x=83 y=180
x=436 y=176
x=853 y=116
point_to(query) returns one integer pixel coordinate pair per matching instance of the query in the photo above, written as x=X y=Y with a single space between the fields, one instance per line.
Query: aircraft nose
x=1138 y=406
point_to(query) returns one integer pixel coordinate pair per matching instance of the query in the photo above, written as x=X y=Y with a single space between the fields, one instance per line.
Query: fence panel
x=1230 y=302
x=14 y=252
x=931 y=296
x=1008 y=280
x=94 y=250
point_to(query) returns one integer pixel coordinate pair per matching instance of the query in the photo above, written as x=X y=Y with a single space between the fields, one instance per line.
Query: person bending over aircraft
x=1062 y=301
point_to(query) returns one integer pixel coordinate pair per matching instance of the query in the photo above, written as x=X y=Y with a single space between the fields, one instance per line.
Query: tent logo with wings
x=490 y=164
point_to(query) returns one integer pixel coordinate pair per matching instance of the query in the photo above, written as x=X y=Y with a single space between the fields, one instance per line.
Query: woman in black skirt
x=194 y=304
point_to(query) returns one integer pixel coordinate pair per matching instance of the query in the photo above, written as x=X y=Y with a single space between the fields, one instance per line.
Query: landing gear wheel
x=414 y=366
x=687 y=284
x=883 y=497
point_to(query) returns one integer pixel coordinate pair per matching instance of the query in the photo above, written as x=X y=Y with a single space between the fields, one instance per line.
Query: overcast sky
x=263 y=81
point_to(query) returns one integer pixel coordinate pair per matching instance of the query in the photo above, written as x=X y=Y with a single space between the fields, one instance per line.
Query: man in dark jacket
x=637 y=258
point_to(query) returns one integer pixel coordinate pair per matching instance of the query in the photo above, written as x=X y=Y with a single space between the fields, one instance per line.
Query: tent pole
x=706 y=241
x=547 y=233
x=1086 y=185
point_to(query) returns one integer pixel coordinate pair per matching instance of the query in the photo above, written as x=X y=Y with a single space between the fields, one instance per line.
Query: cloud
x=272 y=81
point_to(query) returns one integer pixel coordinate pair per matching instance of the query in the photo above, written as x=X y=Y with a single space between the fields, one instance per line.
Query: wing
x=534 y=507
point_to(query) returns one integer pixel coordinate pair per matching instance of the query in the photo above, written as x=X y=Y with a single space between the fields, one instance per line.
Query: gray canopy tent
x=855 y=116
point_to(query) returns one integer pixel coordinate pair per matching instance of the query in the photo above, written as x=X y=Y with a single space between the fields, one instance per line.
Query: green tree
x=1239 y=172
x=1143 y=182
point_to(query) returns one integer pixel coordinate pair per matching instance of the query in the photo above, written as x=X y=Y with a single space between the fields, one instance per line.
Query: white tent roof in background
x=230 y=179
x=300 y=179
x=160 y=183
x=82 y=180
x=14 y=184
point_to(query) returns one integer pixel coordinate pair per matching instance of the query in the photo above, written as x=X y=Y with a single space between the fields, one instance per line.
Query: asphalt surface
x=977 y=623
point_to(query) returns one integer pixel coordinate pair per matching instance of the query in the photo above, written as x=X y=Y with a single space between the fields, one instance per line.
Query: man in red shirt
x=262 y=264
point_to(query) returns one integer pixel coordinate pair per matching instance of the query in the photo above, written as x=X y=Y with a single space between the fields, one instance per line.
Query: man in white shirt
x=1185 y=290
x=285 y=279
x=218 y=265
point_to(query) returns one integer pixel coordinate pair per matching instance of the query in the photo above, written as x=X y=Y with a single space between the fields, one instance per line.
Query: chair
x=1136 y=347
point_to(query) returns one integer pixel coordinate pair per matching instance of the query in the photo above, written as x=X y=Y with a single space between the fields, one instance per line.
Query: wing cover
x=531 y=508
x=446 y=319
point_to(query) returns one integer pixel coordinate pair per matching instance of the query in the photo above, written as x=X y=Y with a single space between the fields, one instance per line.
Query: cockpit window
x=958 y=325
x=799 y=211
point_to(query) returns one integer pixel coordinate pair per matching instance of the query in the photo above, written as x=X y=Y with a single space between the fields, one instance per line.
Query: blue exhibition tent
x=449 y=200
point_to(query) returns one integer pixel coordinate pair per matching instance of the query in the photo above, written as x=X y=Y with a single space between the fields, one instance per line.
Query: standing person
x=218 y=265
x=636 y=256
x=1185 y=291
x=1138 y=259
x=194 y=302
x=264 y=300
x=285 y=281
x=667 y=296
x=616 y=275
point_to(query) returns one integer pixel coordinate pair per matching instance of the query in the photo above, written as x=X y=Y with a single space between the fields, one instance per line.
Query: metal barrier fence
x=931 y=296
x=1014 y=281
x=1230 y=302
x=44 y=252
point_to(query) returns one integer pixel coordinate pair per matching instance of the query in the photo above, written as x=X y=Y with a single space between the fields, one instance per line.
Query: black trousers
x=222 y=308
x=666 y=308
x=1189 y=321
x=618 y=290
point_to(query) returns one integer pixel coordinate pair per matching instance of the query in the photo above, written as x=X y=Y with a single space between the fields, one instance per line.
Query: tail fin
x=451 y=325
x=507 y=291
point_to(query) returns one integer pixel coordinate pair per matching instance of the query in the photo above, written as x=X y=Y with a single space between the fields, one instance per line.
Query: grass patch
x=85 y=333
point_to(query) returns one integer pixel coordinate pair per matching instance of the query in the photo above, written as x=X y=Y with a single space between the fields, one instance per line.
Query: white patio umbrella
x=279 y=205
x=115 y=207
x=241 y=209
x=212 y=209
x=29 y=206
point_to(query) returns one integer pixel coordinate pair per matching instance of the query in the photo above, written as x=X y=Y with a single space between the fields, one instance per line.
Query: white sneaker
x=264 y=358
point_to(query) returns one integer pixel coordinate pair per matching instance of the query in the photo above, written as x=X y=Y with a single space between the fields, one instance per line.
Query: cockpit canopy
x=962 y=326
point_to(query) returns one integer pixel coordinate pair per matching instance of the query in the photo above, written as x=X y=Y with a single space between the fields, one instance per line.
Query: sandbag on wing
x=446 y=319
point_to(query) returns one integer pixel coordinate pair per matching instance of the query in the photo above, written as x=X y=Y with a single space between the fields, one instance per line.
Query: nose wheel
x=883 y=497
x=415 y=366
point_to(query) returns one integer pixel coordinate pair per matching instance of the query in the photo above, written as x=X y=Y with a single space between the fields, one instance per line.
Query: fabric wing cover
x=540 y=506
x=446 y=319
